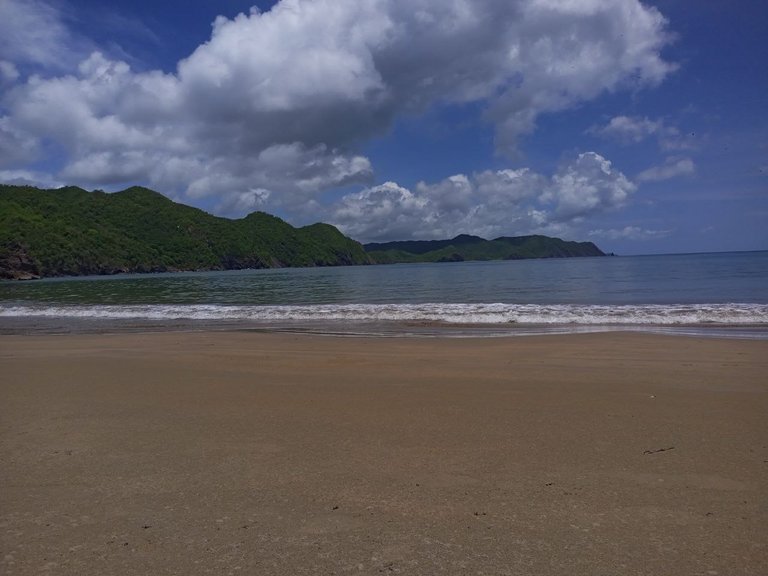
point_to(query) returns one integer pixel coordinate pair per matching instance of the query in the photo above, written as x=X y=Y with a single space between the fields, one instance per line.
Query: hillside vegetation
x=70 y=231
x=465 y=247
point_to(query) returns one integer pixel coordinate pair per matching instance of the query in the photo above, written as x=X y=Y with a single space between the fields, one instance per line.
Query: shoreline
x=284 y=453
x=180 y=272
x=19 y=326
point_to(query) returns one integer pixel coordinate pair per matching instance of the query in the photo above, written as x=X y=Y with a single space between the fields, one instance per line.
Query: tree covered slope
x=465 y=247
x=70 y=231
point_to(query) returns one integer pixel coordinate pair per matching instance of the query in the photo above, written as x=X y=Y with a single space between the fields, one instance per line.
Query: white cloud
x=244 y=202
x=489 y=204
x=629 y=130
x=28 y=178
x=17 y=147
x=35 y=33
x=292 y=172
x=633 y=130
x=281 y=101
x=672 y=168
x=586 y=186
x=104 y=107
x=453 y=193
x=299 y=55
x=503 y=187
x=630 y=233
x=384 y=211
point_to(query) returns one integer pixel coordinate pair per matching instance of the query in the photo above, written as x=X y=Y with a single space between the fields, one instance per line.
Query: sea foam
x=491 y=314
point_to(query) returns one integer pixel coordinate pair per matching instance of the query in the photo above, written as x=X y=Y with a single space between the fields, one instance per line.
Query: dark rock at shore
x=17 y=264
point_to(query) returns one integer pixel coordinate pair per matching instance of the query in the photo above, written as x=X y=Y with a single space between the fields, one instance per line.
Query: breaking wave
x=489 y=314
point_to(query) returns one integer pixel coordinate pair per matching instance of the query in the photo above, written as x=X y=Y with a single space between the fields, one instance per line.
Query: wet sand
x=246 y=453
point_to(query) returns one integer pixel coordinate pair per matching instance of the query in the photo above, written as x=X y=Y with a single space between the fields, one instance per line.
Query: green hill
x=465 y=247
x=70 y=231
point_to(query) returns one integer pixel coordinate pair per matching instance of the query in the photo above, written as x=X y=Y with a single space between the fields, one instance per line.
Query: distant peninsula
x=72 y=232
x=466 y=247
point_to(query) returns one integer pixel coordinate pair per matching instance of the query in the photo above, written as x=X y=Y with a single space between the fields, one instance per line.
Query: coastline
x=219 y=451
x=365 y=328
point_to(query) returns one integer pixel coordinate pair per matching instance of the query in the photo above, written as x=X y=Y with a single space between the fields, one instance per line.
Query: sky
x=642 y=127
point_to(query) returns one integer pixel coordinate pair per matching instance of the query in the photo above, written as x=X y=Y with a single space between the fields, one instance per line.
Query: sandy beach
x=249 y=453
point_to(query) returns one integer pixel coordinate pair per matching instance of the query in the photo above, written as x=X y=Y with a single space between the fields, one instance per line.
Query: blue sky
x=639 y=126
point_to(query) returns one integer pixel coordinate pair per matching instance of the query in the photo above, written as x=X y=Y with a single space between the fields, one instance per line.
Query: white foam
x=493 y=314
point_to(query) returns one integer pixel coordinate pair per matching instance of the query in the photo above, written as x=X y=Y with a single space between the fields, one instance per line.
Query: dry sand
x=246 y=453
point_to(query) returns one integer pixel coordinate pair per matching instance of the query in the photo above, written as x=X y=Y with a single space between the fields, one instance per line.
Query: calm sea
x=716 y=294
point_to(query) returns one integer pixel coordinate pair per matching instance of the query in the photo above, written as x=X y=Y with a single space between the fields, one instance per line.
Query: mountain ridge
x=70 y=232
x=465 y=247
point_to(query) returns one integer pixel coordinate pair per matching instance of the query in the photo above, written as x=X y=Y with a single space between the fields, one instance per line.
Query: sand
x=248 y=453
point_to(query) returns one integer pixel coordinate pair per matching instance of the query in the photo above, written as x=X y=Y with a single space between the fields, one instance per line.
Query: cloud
x=588 y=185
x=17 y=147
x=244 y=202
x=672 y=168
x=8 y=72
x=293 y=171
x=28 y=178
x=629 y=130
x=630 y=233
x=489 y=204
x=385 y=211
x=273 y=109
x=633 y=130
x=35 y=34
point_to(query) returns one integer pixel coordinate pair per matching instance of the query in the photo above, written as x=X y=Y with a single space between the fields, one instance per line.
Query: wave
x=489 y=314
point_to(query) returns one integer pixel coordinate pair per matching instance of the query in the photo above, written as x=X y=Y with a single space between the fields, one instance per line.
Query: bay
x=726 y=290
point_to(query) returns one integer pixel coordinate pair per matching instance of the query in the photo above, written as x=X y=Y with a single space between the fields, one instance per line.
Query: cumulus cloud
x=489 y=204
x=385 y=211
x=633 y=130
x=293 y=171
x=588 y=185
x=672 y=168
x=244 y=202
x=272 y=110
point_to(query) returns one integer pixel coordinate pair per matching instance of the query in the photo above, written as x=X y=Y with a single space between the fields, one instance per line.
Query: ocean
x=717 y=294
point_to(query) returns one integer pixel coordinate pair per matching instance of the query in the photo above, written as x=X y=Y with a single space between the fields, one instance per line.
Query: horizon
x=619 y=123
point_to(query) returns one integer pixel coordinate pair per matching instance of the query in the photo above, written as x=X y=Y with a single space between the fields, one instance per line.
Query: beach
x=272 y=453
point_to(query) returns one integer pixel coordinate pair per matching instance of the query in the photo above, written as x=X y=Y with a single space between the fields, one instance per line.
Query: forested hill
x=465 y=247
x=70 y=231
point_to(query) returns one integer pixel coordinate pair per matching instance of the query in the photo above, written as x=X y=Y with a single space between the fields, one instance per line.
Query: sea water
x=723 y=294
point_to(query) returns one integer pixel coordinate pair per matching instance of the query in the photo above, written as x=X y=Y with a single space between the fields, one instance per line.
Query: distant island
x=466 y=247
x=72 y=232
